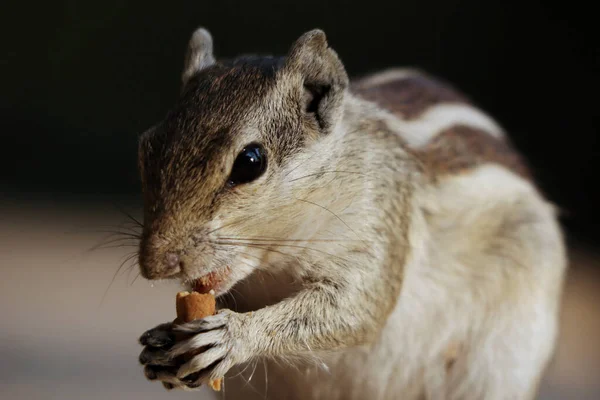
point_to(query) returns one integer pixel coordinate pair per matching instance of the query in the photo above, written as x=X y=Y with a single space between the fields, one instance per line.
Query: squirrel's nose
x=172 y=262
x=157 y=263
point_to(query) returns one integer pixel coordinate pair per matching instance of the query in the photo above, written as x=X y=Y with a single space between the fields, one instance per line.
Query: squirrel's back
x=441 y=125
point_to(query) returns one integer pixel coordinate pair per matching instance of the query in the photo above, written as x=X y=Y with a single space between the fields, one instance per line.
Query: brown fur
x=179 y=156
x=457 y=149
x=409 y=97
x=462 y=148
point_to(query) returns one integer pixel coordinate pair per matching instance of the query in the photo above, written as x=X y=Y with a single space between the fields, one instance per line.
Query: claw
x=150 y=373
x=198 y=341
x=160 y=336
x=198 y=378
x=192 y=379
x=156 y=356
x=165 y=374
x=202 y=325
x=203 y=361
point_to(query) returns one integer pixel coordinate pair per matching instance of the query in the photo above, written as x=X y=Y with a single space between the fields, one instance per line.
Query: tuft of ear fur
x=199 y=54
x=323 y=76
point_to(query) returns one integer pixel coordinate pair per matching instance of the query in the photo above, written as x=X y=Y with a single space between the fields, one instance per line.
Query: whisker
x=230 y=295
x=120 y=236
x=255 y=246
x=261 y=246
x=120 y=233
x=241 y=372
x=301 y=162
x=253 y=371
x=334 y=214
x=111 y=231
x=230 y=224
x=238 y=293
x=245 y=263
x=135 y=230
x=267 y=239
x=111 y=244
x=129 y=255
x=134 y=279
x=122 y=242
x=131 y=218
x=247 y=381
x=266 y=378
x=328 y=172
x=130 y=269
x=133 y=263
x=128 y=258
x=249 y=255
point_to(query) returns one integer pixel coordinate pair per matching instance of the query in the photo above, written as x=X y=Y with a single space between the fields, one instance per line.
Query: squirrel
x=379 y=238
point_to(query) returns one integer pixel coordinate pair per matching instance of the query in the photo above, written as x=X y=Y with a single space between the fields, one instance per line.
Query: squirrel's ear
x=199 y=54
x=323 y=77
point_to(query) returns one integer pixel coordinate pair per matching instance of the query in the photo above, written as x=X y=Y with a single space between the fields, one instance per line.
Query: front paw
x=187 y=356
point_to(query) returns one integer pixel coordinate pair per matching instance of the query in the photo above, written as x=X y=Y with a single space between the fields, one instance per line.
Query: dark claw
x=194 y=380
x=152 y=372
x=155 y=356
x=161 y=336
x=193 y=385
x=168 y=386
x=191 y=379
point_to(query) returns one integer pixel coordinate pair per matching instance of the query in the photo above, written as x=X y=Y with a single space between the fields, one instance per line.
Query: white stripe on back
x=419 y=132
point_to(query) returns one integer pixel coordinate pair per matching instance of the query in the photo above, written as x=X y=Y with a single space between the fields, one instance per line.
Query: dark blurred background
x=80 y=80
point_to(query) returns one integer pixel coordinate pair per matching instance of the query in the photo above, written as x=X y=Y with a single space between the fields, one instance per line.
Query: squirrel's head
x=215 y=170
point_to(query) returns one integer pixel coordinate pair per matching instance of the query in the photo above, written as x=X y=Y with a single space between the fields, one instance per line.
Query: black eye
x=249 y=165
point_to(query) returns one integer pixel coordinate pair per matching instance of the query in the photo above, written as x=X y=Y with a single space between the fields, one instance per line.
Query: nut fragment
x=192 y=306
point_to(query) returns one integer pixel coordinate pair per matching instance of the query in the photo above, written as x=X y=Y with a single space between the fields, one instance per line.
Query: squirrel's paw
x=214 y=342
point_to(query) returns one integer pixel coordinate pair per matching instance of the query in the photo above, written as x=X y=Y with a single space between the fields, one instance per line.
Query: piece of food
x=192 y=306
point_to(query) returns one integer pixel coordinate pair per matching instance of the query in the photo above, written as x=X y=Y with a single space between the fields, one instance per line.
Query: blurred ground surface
x=59 y=340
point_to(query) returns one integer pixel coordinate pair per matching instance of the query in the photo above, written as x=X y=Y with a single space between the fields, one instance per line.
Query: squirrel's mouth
x=213 y=281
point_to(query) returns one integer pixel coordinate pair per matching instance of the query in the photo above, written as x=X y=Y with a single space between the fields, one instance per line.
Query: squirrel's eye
x=249 y=165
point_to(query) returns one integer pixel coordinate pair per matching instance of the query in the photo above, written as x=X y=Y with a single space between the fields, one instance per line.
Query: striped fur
x=440 y=124
x=395 y=247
